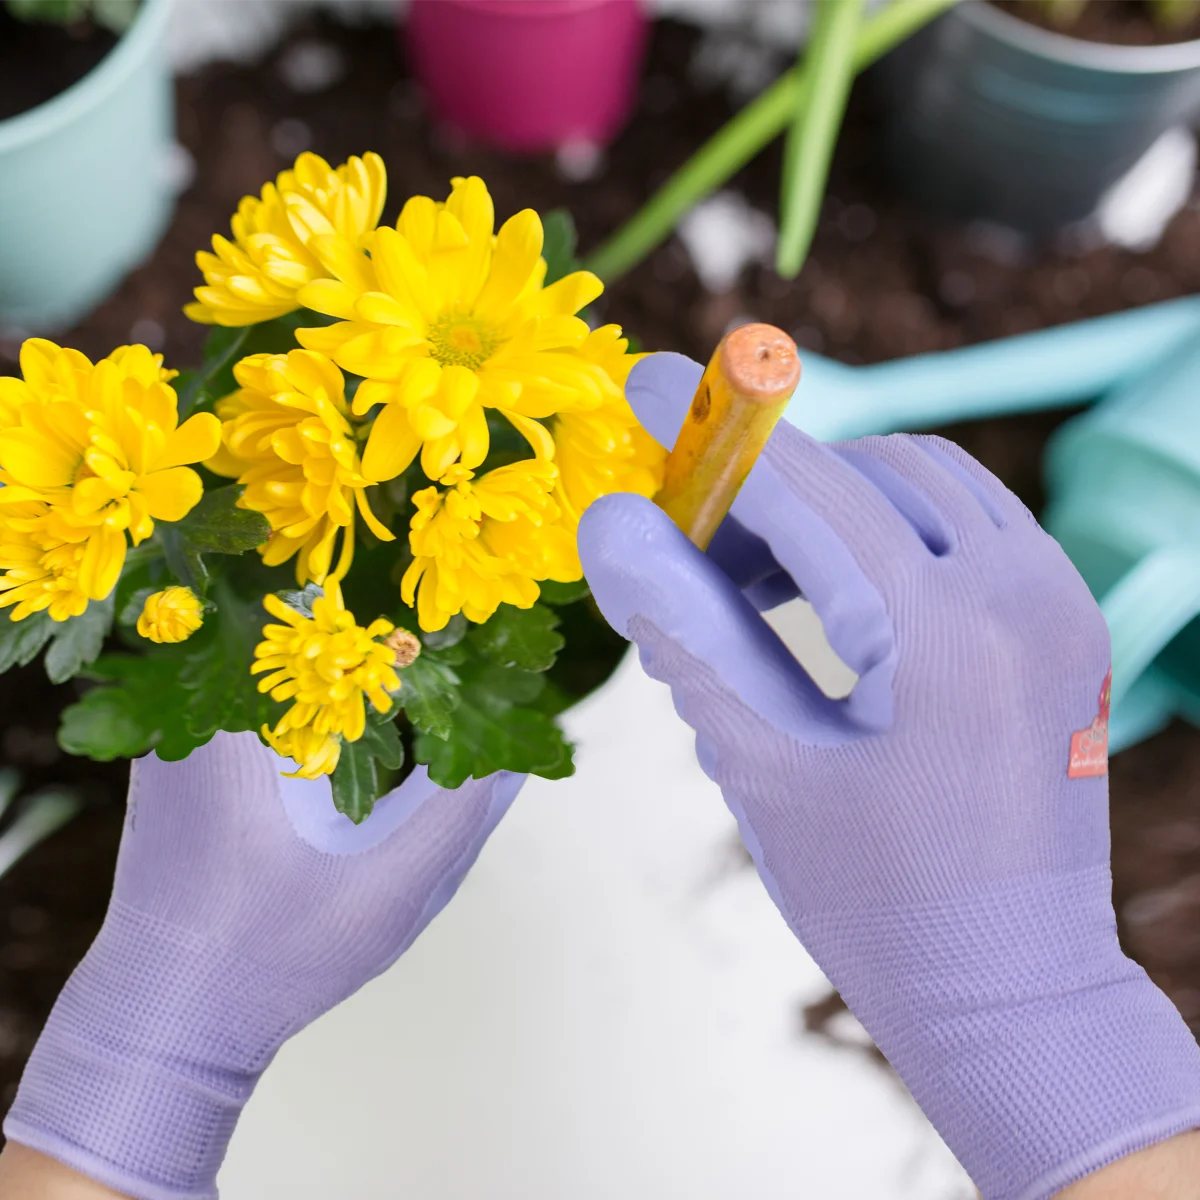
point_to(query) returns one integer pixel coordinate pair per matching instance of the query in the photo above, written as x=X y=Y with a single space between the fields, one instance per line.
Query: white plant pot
x=609 y=1008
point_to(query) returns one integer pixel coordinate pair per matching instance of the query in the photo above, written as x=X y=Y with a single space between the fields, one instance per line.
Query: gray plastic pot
x=991 y=117
x=84 y=193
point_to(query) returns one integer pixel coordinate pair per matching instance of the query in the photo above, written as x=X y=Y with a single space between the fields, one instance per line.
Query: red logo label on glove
x=1089 y=747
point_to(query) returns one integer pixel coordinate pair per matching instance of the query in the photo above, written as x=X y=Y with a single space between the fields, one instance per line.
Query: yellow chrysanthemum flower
x=102 y=447
x=327 y=665
x=171 y=615
x=288 y=437
x=307 y=225
x=486 y=542
x=604 y=450
x=40 y=560
x=457 y=321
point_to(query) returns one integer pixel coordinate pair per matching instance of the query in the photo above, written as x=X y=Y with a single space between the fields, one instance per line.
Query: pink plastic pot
x=529 y=75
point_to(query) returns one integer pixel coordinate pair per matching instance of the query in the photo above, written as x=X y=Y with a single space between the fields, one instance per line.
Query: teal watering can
x=1124 y=477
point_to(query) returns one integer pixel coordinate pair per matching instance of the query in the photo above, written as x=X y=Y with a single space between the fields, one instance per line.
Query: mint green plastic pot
x=1124 y=481
x=84 y=191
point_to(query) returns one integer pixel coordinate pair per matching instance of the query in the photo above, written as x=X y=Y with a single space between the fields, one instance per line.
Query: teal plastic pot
x=1124 y=481
x=989 y=116
x=84 y=193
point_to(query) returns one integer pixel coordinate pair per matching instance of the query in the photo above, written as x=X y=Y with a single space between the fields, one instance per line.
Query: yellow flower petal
x=197 y=439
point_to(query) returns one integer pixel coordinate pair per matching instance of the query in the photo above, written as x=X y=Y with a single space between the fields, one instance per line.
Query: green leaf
x=302 y=601
x=217 y=526
x=515 y=740
x=559 y=594
x=137 y=708
x=382 y=739
x=520 y=637
x=134 y=604
x=183 y=562
x=219 y=691
x=496 y=726
x=22 y=641
x=429 y=694
x=222 y=348
x=78 y=641
x=453 y=633
x=558 y=245
x=355 y=781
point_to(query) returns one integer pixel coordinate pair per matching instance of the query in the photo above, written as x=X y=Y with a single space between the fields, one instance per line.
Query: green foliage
x=214 y=379
x=1062 y=13
x=475 y=715
x=1175 y=14
x=73 y=643
x=138 y=707
x=215 y=526
x=558 y=248
x=364 y=767
x=116 y=15
x=564 y=593
x=22 y=641
x=173 y=698
x=77 y=642
x=520 y=637
x=215 y=678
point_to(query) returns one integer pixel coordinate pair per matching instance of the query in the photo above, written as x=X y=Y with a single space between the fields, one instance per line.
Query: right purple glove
x=939 y=840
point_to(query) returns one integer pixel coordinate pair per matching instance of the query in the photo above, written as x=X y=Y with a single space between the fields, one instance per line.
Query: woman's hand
x=244 y=906
x=939 y=839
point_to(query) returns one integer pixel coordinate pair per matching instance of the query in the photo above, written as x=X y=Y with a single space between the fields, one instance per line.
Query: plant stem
x=829 y=63
x=738 y=141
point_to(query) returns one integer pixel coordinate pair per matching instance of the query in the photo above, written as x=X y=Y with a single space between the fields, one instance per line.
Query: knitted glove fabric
x=939 y=839
x=244 y=906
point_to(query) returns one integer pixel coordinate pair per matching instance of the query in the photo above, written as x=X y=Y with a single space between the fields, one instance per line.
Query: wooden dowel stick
x=742 y=394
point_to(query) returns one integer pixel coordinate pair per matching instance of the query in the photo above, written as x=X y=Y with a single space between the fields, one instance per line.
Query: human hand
x=244 y=906
x=924 y=838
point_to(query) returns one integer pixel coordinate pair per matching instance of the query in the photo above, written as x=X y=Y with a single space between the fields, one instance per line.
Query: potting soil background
x=39 y=59
x=1116 y=22
x=880 y=284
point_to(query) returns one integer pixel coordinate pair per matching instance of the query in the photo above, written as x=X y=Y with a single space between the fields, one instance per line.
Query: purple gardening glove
x=244 y=907
x=923 y=838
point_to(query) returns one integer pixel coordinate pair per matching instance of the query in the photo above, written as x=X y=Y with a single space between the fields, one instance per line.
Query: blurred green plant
x=808 y=151
x=116 y=15
x=840 y=48
x=35 y=819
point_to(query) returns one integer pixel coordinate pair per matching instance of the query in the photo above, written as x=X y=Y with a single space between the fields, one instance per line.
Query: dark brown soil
x=881 y=283
x=1117 y=22
x=39 y=59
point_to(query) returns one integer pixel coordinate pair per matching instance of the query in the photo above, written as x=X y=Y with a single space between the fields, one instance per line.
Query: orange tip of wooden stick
x=760 y=362
x=742 y=394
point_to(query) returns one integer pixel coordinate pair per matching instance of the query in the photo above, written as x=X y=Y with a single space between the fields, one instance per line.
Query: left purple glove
x=244 y=907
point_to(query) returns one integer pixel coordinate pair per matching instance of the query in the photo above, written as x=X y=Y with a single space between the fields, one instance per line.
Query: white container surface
x=608 y=1009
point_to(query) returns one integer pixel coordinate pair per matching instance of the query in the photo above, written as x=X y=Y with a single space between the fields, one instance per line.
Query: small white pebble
x=312 y=66
x=1134 y=212
x=579 y=160
x=177 y=168
x=146 y=331
x=722 y=235
x=290 y=137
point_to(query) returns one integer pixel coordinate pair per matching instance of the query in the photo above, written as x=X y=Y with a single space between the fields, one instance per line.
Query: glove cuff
x=142 y=1070
x=1039 y=1051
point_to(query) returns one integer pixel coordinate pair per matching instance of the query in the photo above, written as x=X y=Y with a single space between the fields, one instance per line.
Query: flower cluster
x=91 y=456
x=456 y=341
x=326 y=665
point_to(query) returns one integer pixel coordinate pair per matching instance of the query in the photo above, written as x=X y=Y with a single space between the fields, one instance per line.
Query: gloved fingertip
x=659 y=390
x=635 y=558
